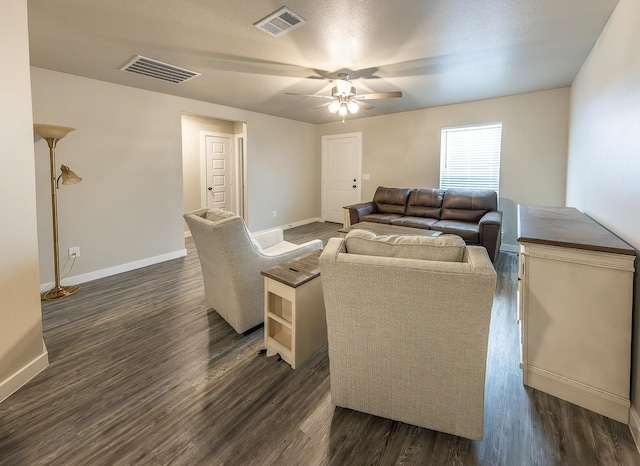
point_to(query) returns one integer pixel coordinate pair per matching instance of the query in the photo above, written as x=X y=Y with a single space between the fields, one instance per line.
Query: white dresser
x=575 y=292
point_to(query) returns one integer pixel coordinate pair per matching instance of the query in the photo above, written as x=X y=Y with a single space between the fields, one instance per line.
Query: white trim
x=13 y=383
x=599 y=401
x=87 y=277
x=323 y=190
x=292 y=225
x=634 y=425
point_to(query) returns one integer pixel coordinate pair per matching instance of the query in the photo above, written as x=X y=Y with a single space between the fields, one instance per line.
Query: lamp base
x=59 y=292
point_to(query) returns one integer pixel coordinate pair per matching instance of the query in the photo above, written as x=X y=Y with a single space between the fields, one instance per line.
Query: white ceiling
x=437 y=52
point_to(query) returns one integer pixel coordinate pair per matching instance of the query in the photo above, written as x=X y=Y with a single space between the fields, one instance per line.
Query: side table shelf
x=294 y=323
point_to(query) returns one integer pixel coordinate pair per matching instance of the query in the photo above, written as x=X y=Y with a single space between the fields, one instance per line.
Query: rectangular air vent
x=156 y=69
x=280 y=22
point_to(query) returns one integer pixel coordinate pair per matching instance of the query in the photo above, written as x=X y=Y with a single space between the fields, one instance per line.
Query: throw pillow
x=215 y=215
x=447 y=248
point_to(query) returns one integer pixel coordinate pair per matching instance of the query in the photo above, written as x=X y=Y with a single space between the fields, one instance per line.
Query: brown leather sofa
x=469 y=213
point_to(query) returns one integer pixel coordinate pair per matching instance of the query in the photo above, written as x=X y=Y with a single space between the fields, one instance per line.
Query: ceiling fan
x=344 y=99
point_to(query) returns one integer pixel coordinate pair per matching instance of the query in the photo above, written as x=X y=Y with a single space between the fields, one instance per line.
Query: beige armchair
x=231 y=260
x=408 y=337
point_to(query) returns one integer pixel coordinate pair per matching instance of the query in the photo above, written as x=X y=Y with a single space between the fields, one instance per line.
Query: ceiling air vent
x=280 y=22
x=157 y=69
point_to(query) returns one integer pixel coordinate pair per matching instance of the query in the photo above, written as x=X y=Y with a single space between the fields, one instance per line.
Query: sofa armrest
x=358 y=210
x=490 y=232
x=493 y=217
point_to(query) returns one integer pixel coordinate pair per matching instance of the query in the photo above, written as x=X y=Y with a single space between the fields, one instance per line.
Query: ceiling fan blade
x=321 y=106
x=363 y=105
x=380 y=95
x=310 y=95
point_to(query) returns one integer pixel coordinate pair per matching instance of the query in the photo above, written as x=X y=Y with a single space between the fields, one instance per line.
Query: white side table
x=295 y=325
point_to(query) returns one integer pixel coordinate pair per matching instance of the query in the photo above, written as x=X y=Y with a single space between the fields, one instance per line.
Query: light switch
x=365 y=176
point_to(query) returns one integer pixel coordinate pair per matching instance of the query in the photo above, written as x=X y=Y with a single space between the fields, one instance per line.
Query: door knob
x=354 y=186
x=209 y=188
x=354 y=180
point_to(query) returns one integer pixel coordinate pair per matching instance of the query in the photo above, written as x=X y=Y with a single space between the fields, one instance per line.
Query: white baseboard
x=300 y=223
x=22 y=376
x=634 y=425
x=87 y=277
x=509 y=248
x=291 y=225
x=592 y=398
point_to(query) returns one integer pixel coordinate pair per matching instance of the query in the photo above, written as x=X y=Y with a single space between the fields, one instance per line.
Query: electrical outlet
x=74 y=251
x=275 y=213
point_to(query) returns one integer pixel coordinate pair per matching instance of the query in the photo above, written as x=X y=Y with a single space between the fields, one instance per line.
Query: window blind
x=470 y=157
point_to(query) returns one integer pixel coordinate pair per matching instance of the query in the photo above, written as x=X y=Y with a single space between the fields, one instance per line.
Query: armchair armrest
x=358 y=210
x=268 y=238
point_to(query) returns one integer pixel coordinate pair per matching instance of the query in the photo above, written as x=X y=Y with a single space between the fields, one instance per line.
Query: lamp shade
x=353 y=106
x=68 y=177
x=51 y=131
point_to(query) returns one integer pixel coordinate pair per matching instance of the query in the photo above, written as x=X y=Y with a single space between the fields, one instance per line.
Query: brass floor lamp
x=52 y=134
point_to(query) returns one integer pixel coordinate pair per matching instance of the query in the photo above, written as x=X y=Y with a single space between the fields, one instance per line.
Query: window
x=470 y=157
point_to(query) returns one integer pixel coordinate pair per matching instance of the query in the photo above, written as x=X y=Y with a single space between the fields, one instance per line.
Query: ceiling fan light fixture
x=342 y=111
x=353 y=106
x=344 y=86
x=334 y=106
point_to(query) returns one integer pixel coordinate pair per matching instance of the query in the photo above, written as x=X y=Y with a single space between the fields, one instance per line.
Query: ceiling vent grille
x=158 y=70
x=280 y=22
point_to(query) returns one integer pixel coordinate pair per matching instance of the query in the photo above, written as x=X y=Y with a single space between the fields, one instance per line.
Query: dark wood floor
x=143 y=372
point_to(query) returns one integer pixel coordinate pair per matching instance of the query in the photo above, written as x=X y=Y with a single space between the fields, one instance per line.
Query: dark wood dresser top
x=567 y=227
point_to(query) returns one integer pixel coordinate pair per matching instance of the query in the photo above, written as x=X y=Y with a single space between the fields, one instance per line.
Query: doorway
x=341 y=173
x=196 y=181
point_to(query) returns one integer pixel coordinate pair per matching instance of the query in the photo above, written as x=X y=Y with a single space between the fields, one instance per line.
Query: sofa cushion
x=390 y=200
x=468 y=231
x=380 y=218
x=425 y=202
x=415 y=222
x=447 y=248
x=215 y=215
x=468 y=205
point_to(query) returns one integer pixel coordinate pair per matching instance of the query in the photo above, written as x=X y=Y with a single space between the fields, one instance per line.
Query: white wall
x=403 y=149
x=127 y=148
x=603 y=178
x=22 y=353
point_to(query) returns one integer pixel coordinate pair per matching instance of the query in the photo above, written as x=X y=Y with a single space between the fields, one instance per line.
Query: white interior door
x=341 y=168
x=218 y=153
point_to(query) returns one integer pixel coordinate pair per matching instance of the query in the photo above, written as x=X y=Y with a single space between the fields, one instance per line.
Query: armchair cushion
x=447 y=248
x=215 y=215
